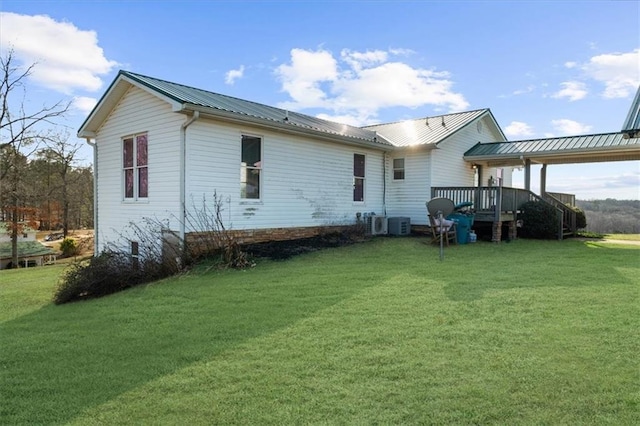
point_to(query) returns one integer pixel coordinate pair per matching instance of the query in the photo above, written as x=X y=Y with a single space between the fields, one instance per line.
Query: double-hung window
x=398 y=169
x=250 y=167
x=358 y=177
x=135 y=167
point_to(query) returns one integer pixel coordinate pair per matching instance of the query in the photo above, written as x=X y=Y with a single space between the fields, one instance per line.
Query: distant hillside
x=611 y=216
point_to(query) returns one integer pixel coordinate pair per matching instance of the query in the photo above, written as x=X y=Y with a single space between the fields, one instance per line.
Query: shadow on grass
x=59 y=361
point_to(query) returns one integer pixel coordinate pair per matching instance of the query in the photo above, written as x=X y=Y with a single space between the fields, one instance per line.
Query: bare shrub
x=211 y=238
x=148 y=250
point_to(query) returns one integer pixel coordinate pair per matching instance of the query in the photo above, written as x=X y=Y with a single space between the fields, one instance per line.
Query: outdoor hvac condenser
x=399 y=226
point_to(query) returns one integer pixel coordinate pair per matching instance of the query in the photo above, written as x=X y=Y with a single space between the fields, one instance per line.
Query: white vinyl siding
x=406 y=197
x=440 y=166
x=305 y=182
x=137 y=112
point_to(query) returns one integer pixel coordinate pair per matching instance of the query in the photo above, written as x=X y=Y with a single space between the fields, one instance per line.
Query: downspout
x=183 y=173
x=384 y=183
x=95 y=195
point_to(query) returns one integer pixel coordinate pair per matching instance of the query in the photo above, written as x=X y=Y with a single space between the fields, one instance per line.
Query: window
x=250 y=167
x=398 y=169
x=135 y=167
x=358 y=177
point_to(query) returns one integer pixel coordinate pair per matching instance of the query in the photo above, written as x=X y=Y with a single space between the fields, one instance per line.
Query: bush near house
x=108 y=273
x=539 y=220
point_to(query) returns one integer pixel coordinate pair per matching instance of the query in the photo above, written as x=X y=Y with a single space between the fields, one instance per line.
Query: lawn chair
x=441 y=228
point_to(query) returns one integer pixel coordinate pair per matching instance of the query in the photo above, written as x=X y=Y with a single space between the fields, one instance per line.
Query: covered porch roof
x=601 y=147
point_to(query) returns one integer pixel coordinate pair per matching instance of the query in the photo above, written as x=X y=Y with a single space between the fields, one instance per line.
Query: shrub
x=581 y=218
x=158 y=254
x=101 y=275
x=69 y=247
x=539 y=220
x=211 y=239
x=108 y=273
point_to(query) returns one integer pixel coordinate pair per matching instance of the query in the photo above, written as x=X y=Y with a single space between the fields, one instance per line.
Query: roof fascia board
x=120 y=85
x=152 y=91
x=462 y=127
x=115 y=89
x=633 y=117
x=497 y=126
x=630 y=149
x=235 y=118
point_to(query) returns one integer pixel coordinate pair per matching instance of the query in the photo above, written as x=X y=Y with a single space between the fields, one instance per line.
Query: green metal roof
x=25 y=249
x=216 y=102
x=425 y=131
x=560 y=150
x=631 y=125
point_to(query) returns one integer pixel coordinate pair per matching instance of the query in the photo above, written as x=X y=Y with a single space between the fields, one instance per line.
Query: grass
x=623 y=237
x=531 y=332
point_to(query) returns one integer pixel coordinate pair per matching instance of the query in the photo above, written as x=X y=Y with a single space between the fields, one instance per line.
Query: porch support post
x=527 y=175
x=477 y=201
x=543 y=180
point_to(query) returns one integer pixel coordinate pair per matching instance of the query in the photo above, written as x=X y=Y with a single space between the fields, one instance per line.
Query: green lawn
x=530 y=332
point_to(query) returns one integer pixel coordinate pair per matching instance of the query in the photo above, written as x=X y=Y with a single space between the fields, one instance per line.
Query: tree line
x=611 y=216
x=44 y=188
x=42 y=184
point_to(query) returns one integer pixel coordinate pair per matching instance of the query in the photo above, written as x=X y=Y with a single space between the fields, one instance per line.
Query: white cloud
x=232 y=75
x=302 y=78
x=518 y=128
x=356 y=85
x=619 y=72
x=574 y=90
x=570 y=127
x=84 y=104
x=570 y=64
x=528 y=89
x=67 y=57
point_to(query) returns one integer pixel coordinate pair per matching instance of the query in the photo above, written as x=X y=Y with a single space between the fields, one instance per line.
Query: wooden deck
x=500 y=205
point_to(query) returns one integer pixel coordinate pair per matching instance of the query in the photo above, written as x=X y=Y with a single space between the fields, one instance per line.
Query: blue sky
x=545 y=68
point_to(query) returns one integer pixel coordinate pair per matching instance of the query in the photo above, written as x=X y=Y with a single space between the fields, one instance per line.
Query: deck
x=500 y=205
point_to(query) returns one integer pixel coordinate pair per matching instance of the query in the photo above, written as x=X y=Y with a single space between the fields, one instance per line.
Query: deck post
x=496 y=232
x=513 y=230
x=543 y=180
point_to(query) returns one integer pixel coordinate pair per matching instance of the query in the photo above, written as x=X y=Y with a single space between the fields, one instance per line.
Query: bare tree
x=63 y=156
x=19 y=131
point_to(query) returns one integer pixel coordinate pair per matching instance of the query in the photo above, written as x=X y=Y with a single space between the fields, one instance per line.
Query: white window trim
x=136 y=187
x=260 y=199
x=404 y=169
x=364 y=179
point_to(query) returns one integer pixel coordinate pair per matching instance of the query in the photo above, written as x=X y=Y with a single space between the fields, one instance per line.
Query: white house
x=159 y=147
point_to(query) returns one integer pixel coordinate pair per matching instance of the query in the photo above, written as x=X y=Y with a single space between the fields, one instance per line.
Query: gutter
x=95 y=194
x=183 y=172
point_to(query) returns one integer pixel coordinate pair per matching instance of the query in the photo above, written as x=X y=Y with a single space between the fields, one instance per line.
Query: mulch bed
x=281 y=250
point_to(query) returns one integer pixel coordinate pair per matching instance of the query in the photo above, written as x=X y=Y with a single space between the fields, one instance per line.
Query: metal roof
x=216 y=102
x=25 y=249
x=560 y=150
x=425 y=131
x=631 y=125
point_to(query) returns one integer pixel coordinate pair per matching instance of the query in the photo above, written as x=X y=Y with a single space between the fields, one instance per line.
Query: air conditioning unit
x=399 y=225
x=378 y=225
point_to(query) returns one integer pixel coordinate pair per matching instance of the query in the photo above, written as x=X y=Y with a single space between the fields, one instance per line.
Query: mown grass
x=540 y=332
x=623 y=237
